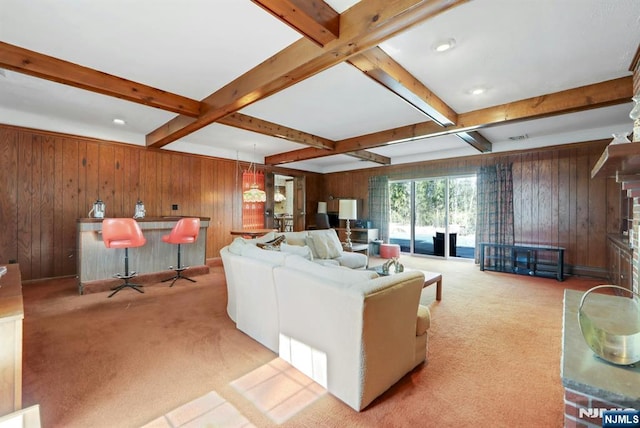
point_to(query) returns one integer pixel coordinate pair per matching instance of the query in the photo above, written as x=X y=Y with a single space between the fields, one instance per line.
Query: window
x=434 y=216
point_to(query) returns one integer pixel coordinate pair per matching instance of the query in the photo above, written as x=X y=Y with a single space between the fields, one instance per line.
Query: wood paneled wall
x=49 y=180
x=555 y=200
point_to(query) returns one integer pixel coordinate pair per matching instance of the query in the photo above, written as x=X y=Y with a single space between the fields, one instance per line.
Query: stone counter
x=99 y=263
x=589 y=381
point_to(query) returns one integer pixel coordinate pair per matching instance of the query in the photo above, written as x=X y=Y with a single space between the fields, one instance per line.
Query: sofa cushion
x=295 y=238
x=352 y=260
x=338 y=274
x=303 y=251
x=424 y=320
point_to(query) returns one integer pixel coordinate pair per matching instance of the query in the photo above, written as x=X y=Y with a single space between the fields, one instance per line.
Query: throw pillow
x=295 y=238
x=274 y=244
x=326 y=247
x=236 y=246
x=296 y=249
x=308 y=241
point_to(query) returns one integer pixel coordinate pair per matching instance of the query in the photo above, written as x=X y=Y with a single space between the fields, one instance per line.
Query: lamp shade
x=348 y=209
x=322 y=207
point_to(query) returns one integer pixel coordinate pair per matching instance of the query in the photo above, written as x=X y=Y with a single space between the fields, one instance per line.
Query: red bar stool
x=184 y=232
x=123 y=233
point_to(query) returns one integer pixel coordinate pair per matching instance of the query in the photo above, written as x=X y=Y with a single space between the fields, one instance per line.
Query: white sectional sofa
x=350 y=330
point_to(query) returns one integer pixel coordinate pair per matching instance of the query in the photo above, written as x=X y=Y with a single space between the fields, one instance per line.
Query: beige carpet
x=493 y=359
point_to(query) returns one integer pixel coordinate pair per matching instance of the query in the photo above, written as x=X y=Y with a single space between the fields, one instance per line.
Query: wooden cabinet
x=620 y=265
x=11 y=316
x=363 y=236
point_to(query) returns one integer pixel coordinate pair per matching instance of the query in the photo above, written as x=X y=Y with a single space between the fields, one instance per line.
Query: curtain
x=495 y=210
x=379 y=205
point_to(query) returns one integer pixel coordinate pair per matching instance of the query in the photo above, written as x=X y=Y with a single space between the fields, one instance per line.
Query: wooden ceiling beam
x=313 y=19
x=611 y=92
x=370 y=156
x=475 y=140
x=363 y=26
x=249 y=123
x=46 y=67
x=379 y=66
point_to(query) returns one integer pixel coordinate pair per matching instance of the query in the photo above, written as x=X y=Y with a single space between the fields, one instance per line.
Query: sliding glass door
x=434 y=216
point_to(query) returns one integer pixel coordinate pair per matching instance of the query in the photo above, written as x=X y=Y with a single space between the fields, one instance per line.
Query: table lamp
x=348 y=210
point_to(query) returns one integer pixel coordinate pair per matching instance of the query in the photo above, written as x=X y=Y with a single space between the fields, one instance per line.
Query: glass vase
x=635 y=111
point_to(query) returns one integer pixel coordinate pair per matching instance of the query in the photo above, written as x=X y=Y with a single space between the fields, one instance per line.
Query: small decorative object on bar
x=612 y=331
x=620 y=138
x=348 y=210
x=140 y=211
x=97 y=210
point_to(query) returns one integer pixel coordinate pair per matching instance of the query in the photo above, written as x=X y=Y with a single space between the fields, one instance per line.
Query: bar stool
x=123 y=233
x=184 y=232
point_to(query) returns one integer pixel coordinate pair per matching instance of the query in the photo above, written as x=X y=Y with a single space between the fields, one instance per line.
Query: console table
x=534 y=260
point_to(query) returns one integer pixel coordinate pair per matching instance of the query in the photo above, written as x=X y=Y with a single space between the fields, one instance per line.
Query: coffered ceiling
x=321 y=86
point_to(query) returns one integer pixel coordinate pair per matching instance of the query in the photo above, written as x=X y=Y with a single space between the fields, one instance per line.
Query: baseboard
x=588 y=271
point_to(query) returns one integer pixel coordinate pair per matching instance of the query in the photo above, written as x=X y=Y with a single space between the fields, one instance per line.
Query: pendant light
x=254 y=194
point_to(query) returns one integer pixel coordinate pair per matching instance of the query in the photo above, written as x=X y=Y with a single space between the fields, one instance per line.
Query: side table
x=358 y=248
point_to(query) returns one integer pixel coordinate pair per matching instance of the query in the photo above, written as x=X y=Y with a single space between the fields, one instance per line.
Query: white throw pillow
x=295 y=238
x=326 y=246
x=236 y=246
x=298 y=250
x=308 y=241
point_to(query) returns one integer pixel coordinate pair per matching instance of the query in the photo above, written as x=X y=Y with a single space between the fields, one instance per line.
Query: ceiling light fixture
x=478 y=91
x=254 y=194
x=444 y=45
x=120 y=122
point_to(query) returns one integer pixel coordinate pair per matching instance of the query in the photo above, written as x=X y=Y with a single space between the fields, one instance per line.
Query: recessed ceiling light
x=120 y=122
x=478 y=90
x=444 y=45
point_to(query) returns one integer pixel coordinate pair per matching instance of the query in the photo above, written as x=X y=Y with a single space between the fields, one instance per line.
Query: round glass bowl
x=610 y=324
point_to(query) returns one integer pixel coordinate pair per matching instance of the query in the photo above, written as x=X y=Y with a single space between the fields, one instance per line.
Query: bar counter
x=98 y=263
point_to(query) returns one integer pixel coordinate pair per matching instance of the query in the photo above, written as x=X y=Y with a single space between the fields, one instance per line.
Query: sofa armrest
x=365 y=333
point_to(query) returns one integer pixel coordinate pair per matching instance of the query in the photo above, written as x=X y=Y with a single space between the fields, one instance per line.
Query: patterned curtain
x=379 y=205
x=495 y=210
